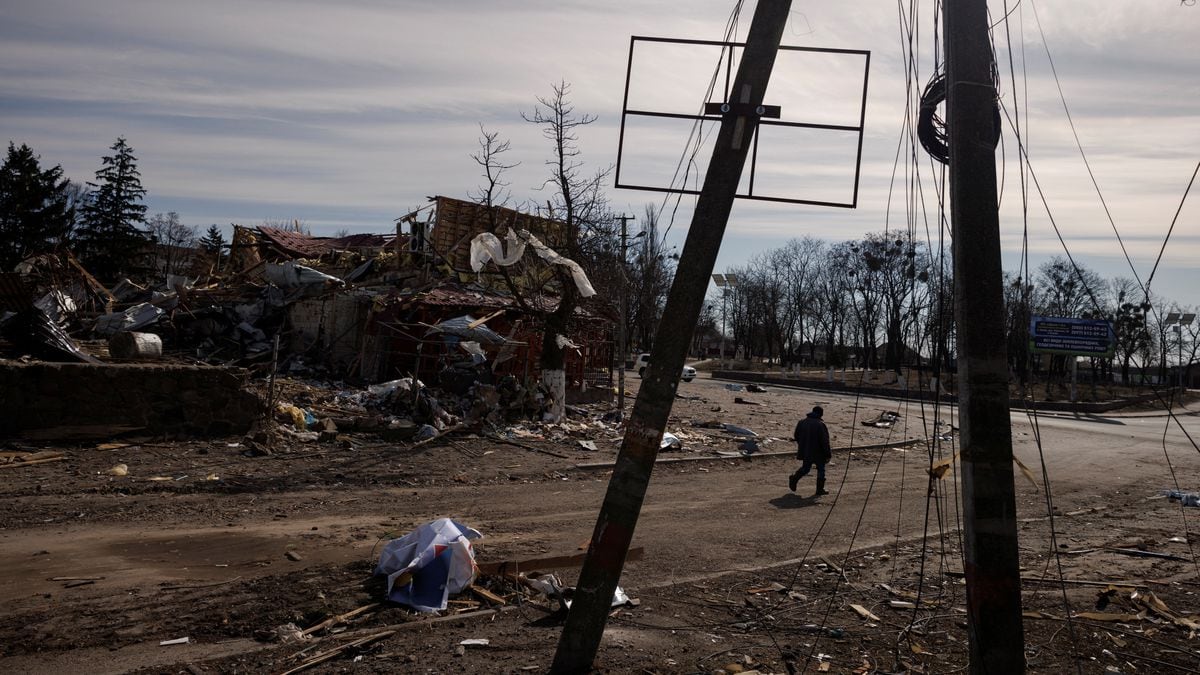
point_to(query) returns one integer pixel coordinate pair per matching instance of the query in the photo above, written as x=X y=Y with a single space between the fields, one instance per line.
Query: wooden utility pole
x=618 y=517
x=994 y=627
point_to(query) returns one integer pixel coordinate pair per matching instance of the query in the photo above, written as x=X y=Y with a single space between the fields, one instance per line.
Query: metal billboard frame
x=626 y=112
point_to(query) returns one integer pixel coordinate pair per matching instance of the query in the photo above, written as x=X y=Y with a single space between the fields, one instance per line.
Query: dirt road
x=202 y=541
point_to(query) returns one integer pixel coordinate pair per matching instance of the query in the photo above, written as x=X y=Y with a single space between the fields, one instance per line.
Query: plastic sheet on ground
x=738 y=431
x=670 y=440
x=427 y=565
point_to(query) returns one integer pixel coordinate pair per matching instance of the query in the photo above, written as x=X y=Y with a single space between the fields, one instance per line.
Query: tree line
x=886 y=301
x=103 y=222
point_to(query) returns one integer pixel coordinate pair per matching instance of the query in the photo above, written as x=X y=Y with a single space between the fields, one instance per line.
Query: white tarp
x=427 y=565
x=487 y=246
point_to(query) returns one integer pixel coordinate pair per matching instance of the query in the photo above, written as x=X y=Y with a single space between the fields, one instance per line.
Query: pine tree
x=213 y=242
x=109 y=239
x=35 y=209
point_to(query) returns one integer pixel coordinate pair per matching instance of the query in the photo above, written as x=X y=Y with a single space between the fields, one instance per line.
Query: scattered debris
x=738 y=431
x=886 y=420
x=13 y=460
x=475 y=642
x=1184 y=498
x=176 y=641
x=1138 y=553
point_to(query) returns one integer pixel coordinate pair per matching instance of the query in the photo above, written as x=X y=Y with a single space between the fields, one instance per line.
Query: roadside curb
x=1094 y=408
x=757 y=455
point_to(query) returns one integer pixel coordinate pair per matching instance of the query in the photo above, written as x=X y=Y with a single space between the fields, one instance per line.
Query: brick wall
x=76 y=399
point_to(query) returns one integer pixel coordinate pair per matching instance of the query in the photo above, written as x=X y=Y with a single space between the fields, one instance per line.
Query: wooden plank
x=487 y=595
x=340 y=618
x=14 y=465
x=864 y=612
x=552 y=563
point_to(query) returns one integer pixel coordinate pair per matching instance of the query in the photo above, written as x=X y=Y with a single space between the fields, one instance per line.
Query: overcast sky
x=348 y=114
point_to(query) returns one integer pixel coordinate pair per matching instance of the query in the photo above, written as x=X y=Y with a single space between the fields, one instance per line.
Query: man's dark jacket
x=812 y=440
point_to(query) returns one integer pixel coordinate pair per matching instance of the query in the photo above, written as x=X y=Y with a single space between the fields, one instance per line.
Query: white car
x=643 y=361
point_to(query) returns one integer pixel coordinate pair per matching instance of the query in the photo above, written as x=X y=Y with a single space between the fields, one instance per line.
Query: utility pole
x=619 y=513
x=621 y=338
x=995 y=632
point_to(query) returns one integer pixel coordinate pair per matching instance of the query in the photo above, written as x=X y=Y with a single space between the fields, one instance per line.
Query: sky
x=348 y=114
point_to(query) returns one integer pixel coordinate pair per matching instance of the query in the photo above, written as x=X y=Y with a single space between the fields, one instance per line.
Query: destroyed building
x=362 y=308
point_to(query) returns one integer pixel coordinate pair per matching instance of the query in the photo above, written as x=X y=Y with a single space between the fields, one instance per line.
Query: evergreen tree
x=109 y=239
x=213 y=242
x=35 y=209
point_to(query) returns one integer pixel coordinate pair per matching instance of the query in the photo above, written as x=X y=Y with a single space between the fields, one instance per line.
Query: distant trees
x=884 y=299
x=36 y=210
x=175 y=243
x=651 y=269
x=109 y=239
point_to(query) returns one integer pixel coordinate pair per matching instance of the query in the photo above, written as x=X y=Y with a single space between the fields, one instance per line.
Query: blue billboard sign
x=1082 y=337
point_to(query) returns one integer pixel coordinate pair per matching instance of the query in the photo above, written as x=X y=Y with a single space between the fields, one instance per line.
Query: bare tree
x=494 y=191
x=650 y=277
x=578 y=202
x=175 y=243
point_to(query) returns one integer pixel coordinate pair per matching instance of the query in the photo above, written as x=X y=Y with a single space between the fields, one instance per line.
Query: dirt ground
x=213 y=541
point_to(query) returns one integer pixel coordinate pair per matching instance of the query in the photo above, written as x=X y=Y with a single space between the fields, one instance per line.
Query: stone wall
x=84 y=400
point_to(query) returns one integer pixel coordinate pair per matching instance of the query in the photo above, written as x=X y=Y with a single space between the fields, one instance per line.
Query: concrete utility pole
x=997 y=643
x=627 y=488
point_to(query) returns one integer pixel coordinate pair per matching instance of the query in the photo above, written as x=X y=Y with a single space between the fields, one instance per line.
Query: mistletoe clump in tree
x=109 y=239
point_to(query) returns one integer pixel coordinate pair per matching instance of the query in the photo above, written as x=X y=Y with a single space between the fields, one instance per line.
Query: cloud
x=353 y=112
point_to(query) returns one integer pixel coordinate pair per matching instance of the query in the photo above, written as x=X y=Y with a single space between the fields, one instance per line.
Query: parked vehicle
x=643 y=361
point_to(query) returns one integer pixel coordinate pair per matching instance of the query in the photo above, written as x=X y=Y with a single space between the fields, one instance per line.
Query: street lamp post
x=725 y=282
x=1179 y=320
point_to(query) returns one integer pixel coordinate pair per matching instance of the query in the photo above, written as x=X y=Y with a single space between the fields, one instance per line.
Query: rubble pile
x=412 y=343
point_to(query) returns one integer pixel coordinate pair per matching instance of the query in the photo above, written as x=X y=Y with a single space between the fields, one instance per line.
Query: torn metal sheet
x=461 y=327
x=57 y=305
x=134 y=318
x=33 y=332
x=289 y=275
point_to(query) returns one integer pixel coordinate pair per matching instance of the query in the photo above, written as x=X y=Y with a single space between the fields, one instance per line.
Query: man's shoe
x=792 y=480
x=821 y=487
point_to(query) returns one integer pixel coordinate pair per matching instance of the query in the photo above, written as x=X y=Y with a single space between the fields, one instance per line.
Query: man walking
x=812 y=447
